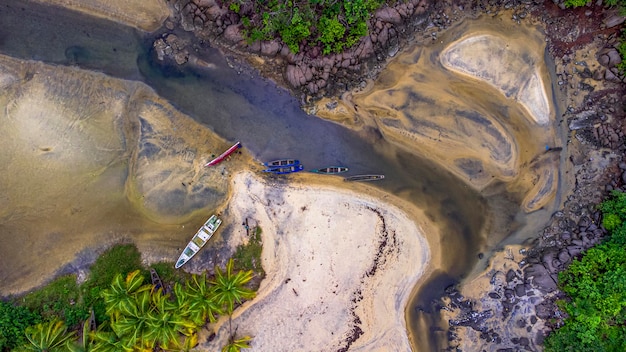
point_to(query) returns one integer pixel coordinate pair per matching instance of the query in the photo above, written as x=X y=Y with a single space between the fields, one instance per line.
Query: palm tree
x=50 y=336
x=133 y=325
x=229 y=287
x=166 y=323
x=120 y=296
x=108 y=341
x=235 y=345
x=202 y=301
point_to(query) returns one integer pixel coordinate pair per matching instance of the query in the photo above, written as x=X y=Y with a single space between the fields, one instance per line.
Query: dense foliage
x=596 y=288
x=135 y=315
x=13 y=322
x=334 y=24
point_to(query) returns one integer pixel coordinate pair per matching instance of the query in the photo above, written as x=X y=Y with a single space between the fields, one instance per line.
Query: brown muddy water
x=459 y=127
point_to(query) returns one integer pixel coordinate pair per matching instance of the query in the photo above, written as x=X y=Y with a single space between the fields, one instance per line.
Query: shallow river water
x=456 y=142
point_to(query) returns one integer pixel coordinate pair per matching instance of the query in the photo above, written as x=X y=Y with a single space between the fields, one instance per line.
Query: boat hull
x=282 y=163
x=285 y=169
x=198 y=241
x=225 y=154
x=364 y=178
x=331 y=170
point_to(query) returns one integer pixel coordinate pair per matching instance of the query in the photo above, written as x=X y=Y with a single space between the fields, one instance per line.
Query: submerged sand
x=147 y=15
x=340 y=268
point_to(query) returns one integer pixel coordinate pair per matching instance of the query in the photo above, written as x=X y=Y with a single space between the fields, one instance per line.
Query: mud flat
x=147 y=15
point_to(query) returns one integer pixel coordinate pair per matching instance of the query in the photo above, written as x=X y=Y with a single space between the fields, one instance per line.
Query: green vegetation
x=51 y=336
x=135 y=315
x=58 y=299
x=120 y=259
x=335 y=24
x=621 y=4
x=596 y=289
x=13 y=322
x=248 y=256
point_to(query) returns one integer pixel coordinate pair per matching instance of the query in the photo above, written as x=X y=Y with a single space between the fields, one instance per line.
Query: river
x=270 y=124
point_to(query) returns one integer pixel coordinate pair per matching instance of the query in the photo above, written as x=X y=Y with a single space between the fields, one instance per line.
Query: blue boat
x=282 y=162
x=285 y=169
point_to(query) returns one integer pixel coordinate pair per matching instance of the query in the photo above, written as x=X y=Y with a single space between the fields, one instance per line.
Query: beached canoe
x=225 y=154
x=364 y=178
x=199 y=240
x=285 y=169
x=282 y=162
x=331 y=170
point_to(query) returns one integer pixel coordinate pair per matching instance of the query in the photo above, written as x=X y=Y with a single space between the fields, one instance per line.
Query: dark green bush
x=335 y=25
x=596 y=288
x=13 y=321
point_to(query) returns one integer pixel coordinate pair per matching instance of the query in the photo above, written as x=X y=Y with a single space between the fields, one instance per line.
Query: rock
x=604 y=60
x=232 y=34
x=520 y=290
x=610 y=76
x=510 y=275
x=614 y=58
x=541 y=278
x=389 y=15
x=494 y=295
x=574 y=250
x=598 y=75
x=544 y=310
x=613 y=21
x=564 y=256
x=295 y=76
x=270 y=48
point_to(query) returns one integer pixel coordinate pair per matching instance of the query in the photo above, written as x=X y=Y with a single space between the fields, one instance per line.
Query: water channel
x=270 y=124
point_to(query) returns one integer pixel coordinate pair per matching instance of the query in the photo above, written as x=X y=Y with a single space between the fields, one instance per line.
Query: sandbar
x=340 y=267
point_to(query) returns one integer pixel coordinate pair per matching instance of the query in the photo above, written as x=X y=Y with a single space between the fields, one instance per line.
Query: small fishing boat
x=156 y=280
x=282 y=162
x=331 y=170
x=364 y=178
x=223 y=156
x=199 y=240
x=285 y=169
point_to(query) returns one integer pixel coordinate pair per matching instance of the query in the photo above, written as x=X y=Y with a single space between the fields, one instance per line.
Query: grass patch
x=248 y=256
x=60 y=298
x=123 y=259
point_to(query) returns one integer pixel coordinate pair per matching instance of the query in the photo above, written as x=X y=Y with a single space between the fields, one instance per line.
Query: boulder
x=389 y=15
x=233 y=34
x=541 y=278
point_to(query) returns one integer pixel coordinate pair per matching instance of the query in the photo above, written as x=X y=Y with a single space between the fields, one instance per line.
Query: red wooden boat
x=223 y=156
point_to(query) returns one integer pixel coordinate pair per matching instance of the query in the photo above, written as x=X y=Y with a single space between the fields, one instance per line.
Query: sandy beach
x=340 y=267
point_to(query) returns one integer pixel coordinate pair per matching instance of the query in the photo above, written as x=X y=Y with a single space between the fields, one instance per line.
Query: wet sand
x=146 y=15
x=90 y=161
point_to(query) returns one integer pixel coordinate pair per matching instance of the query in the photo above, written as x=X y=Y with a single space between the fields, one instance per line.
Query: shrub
x=596 y=288
x=13 y=321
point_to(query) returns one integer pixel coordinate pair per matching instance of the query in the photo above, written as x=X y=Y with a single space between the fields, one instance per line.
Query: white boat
x=199 y=240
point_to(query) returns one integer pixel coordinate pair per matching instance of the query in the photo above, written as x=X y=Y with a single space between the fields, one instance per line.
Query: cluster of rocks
x=520 y=307
x=313 y=74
